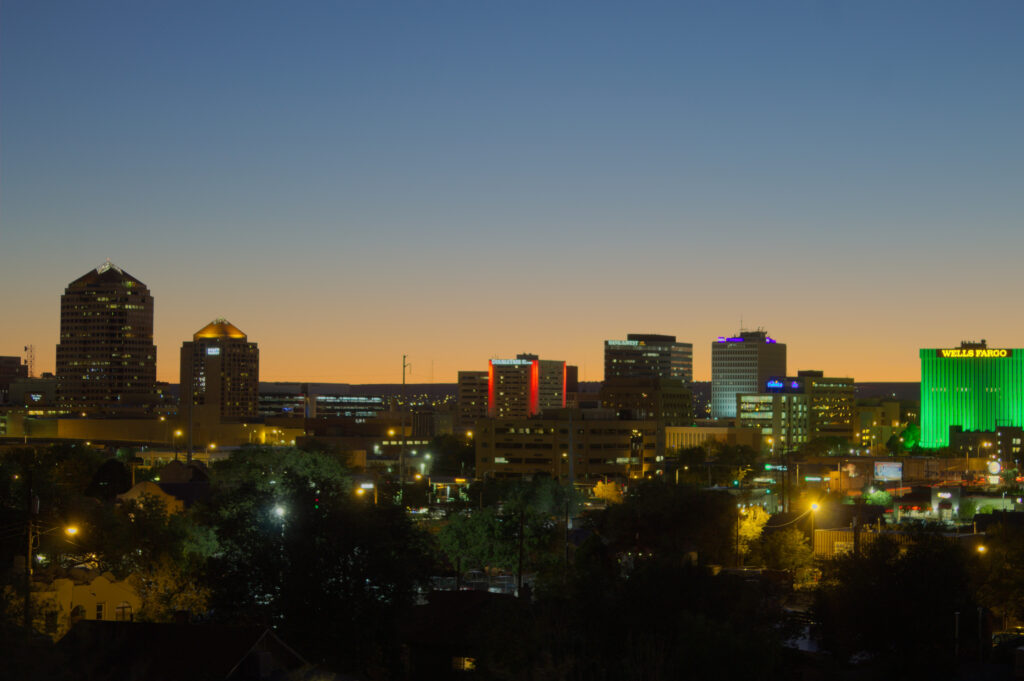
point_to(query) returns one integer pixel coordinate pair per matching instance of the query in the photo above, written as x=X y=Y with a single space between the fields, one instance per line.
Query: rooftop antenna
x=30 y=360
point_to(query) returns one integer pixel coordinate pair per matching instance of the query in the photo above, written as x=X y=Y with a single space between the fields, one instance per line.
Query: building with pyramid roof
x=106 y=359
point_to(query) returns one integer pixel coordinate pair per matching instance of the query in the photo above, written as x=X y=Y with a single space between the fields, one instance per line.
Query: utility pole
x=30 y=544
x=401 y=451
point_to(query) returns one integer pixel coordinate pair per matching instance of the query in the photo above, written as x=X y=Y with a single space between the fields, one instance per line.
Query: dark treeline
x=642 y=589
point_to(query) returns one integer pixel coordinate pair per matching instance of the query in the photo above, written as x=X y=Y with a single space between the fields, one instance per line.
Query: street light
x=814 y=512
x=967 y=456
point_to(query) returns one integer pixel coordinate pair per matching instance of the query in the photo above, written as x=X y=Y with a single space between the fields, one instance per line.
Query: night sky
x=350 y=181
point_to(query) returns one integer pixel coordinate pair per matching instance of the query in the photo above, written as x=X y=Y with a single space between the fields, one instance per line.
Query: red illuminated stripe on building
x=534 y=387
x=564 y=379
x=491 y=406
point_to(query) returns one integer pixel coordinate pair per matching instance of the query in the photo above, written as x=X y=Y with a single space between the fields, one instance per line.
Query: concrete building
x=522 y=387
x=665 y=400
x=604 y=446
x=742 y=365
x=792 y=411
x=471 y=399
x=220 y=373
x=973 y=386
x=706 y=435
x=106 y=360
x=648 y=356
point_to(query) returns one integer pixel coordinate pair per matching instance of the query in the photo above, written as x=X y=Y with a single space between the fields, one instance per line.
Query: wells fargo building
x=973 y=386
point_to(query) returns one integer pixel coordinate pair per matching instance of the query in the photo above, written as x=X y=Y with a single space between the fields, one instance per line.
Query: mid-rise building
x=106 y=360
x=742 y=365
x=220 y=373
x=793 y=410
x=11 y=369
x=603 y=446
x=666 y=400
x=471 y=398
x=522 y=387
x=975 y=387
x=647 y=355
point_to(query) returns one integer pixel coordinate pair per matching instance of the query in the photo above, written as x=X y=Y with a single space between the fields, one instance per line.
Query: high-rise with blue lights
x=742 y=364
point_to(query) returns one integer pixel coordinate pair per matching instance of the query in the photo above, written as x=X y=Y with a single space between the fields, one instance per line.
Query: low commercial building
x=601 y=446
x=666 y=400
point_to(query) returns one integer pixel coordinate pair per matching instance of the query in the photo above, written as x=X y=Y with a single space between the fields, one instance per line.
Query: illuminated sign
x=630 y=343
x=888 y=470
x=212 y=351
x=945 y=495
x=965 y=353
x=511 y=362
x=774 y=384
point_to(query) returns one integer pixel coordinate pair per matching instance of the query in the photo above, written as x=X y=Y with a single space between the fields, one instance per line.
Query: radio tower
x=30 y=360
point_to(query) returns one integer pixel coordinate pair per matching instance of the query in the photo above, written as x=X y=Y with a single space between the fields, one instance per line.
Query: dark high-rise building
x=11 y=369
x=647 y=355
x=742 y=365
x=106 y=360
x=220 y=371
x=472 y=399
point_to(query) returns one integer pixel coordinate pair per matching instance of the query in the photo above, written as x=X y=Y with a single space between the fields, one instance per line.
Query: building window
x=123 y=612
x=99 y=610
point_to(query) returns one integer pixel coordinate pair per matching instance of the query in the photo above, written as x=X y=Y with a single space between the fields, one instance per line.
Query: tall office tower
x=742 y=364
x=522 y=387
x=220 y=372
x=646 y=355
x=471 y=398
x=667 y=400
x=106 y=360
x=974 y=386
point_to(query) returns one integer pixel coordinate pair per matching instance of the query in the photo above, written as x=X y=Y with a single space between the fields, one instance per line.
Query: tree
x=610 y=492
x=751 y=522
x=788 y=550
x=297 y=550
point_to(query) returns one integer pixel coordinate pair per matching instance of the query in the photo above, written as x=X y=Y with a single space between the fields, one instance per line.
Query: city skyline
x=353 y=183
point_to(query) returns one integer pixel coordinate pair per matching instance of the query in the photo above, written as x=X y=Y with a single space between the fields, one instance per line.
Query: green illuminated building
x=975 y=387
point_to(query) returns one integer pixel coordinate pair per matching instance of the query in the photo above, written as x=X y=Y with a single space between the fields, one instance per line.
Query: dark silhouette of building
x=106 y=360
x=648 y=355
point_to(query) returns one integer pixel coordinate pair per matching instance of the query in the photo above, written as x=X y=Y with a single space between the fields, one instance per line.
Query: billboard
x=888 y=470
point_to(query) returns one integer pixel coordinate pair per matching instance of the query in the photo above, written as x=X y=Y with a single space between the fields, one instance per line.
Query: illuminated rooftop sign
x=212 y=351
x=512 y=362
x=965 y=353
x=625 y=342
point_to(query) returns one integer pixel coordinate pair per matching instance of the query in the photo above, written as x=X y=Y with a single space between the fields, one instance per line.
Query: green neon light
x=975 y=393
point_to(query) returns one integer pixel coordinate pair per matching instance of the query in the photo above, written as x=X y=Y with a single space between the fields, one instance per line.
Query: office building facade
x=220 y=374
x=604 y=446
x=666 y=400
x=791 y=411
x=522 y=387
x=471 y=398
x=106 y=360
x=648 y=356
x=742 y=365
x=975 y=387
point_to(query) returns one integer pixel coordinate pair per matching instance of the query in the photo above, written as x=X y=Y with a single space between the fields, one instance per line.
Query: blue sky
x=351 y=181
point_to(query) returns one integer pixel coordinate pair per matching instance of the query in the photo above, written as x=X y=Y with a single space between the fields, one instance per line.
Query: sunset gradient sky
x=350 y=181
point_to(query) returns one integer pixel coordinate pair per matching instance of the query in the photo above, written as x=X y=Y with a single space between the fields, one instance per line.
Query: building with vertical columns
x=742 y=365
x=975 y=387
x=471 y=399
x=106 y=360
